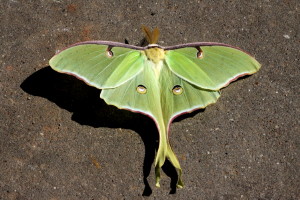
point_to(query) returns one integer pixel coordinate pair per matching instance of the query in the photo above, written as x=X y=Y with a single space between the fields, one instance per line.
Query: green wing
x=198 y=78
x=95 y=65
x=214 y=69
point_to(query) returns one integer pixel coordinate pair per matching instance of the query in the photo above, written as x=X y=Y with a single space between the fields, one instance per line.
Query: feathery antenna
x=151 y=37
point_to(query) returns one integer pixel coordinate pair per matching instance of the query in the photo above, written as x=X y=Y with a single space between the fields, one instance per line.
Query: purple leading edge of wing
x=108 y=43
x=202 y=44
x=119 y=44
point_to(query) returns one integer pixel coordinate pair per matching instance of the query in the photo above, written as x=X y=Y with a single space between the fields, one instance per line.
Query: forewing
x=214 y=67
x=93 y=64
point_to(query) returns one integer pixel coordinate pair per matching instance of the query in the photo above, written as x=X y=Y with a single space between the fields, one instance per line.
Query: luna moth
x=160 y=82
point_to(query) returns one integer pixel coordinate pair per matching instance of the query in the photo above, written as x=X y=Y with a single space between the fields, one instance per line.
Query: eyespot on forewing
x=109 y=53
x=199 y=53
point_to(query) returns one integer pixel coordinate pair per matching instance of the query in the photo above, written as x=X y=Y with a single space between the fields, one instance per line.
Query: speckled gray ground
x=58 y=140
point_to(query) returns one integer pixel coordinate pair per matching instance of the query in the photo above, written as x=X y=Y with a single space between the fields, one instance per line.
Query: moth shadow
x=88 y=109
